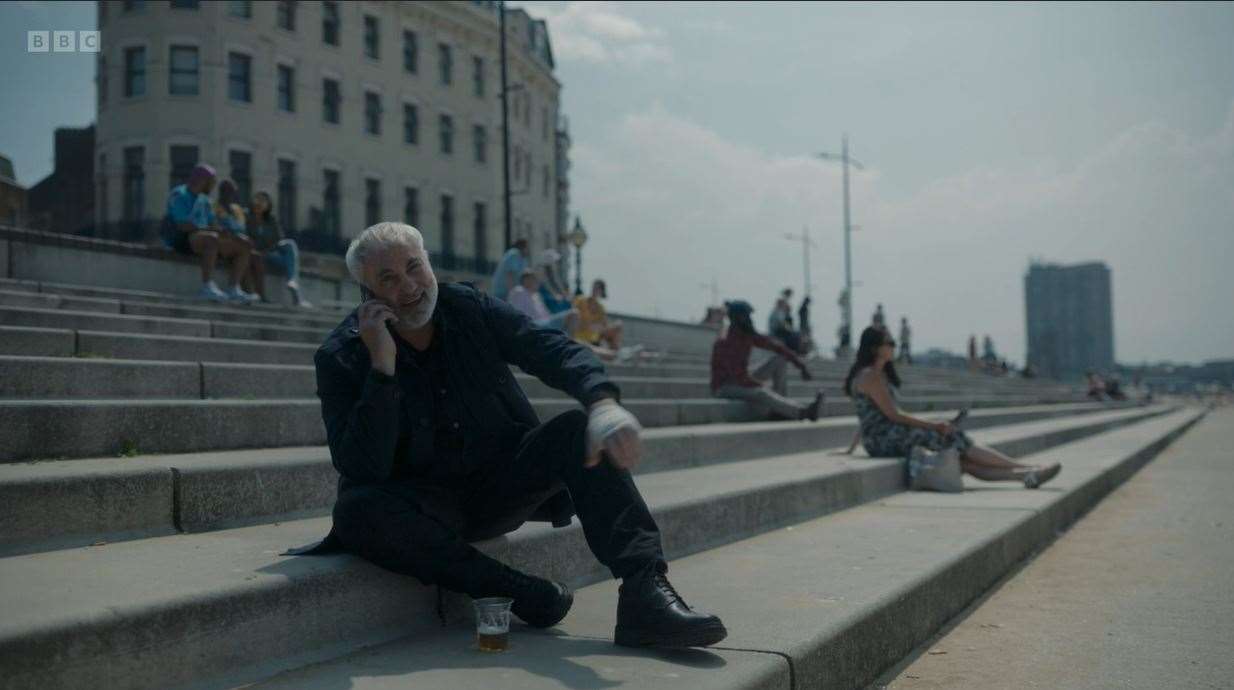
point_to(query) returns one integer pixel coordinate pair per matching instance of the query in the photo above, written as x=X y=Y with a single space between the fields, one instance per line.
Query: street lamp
x=578 y=237
x=847 y=297
x=806 y=243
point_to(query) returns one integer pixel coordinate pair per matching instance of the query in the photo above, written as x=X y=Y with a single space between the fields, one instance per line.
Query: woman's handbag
x=934 y=471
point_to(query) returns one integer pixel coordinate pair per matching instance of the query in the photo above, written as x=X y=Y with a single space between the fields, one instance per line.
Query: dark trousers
x=422 y=528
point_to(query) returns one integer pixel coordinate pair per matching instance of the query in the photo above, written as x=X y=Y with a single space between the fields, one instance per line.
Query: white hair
x=378 y=238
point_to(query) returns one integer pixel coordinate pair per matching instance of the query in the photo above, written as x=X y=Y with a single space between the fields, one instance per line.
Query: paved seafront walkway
x=1139 y=594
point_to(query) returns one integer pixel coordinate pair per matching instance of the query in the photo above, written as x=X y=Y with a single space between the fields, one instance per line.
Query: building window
x=330 y=23
x=134 y=183
x=242 y=173
x=411 y=206
x=527 y=166
x=447 y=134
x=331 y=202
x=243 y=9
x=411 y=52
x=477 y=75
x=185 y=75
x=546 y=182
x=287 y=88
x=183 y=158
x=411 y=124
x=372 y=113
x=287 y=194
x=104 y=202
x=134 y=6
x=544 y=124
x=517 y=154
x=185 y=4
x=286 y=14
x=372 y=38
x=447 y=225
x=330 y=100
x=240 y=77
x=372 y=201
x=480 y=230
x=134 y=72
x=445 y=63
x=102 y=80
x=480 y=138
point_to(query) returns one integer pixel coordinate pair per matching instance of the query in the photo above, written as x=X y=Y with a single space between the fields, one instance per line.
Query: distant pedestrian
x=510 y=269
x=731 y=377
x=972 y=352
x=879 y=318
x=906 y=334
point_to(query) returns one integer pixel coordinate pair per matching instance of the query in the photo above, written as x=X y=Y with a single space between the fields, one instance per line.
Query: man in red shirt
x=730 y=378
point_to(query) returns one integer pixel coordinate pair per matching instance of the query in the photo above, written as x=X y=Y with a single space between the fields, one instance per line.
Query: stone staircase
x=157 y=454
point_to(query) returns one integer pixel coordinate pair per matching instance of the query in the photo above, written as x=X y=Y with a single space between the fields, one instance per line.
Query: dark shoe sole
x=703 y=635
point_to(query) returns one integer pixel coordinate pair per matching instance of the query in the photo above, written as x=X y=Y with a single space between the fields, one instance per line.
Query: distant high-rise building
x=1070 y=318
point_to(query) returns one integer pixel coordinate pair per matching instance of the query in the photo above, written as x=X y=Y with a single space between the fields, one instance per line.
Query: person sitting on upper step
x=437 y=446
x=191 y=227
x=271 y=247
x=730 y=375
x=887 y=432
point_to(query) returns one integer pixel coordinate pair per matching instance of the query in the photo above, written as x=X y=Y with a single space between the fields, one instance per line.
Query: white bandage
x=607 y=418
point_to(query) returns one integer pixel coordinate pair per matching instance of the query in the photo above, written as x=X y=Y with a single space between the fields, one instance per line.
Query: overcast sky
x=991 y=134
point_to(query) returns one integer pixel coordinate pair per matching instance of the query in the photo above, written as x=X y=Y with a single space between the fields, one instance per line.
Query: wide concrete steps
x=60 y=504
x=826 y=603
x=51 y=429
x=221 y=608
x=92 y=378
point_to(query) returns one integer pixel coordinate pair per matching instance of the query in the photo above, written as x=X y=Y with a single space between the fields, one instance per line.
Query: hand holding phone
x=373 y=316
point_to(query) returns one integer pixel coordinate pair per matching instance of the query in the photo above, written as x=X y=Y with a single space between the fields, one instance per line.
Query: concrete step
x=93 y=378
x=222 y=608
x=881 y=579
x=51 y=429
x=61 y=504
x=159 y=325
x=120 y=294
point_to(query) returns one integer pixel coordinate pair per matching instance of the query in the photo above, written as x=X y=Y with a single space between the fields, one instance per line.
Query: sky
x=991 y=135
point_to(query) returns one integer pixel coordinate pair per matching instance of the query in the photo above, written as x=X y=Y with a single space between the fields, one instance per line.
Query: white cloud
x=671 y=205
x=598 y=32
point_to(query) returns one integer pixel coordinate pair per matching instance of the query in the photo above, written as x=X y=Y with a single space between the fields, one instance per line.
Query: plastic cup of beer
x=493 y=623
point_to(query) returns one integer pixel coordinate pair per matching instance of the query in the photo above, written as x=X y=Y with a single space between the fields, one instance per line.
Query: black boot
x=815 y=409
x=651 y=613
x=538 y=602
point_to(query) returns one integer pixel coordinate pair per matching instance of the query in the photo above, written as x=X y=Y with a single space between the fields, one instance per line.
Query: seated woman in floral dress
x=886 y=432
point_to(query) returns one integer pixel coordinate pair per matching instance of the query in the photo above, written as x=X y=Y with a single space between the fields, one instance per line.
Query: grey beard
x=418 y=317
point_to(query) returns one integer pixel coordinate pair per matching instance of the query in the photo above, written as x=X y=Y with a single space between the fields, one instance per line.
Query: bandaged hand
x=611 y=428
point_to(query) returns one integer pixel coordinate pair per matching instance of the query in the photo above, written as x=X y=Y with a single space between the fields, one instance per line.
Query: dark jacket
x=380 y=427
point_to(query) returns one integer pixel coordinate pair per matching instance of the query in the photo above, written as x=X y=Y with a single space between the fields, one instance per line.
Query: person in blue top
x=190 y=227
x=510 y=270
x=231 y=218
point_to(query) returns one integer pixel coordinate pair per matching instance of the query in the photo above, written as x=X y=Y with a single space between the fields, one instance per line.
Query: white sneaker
x=210 y=291
x=294 y=287
x=236 y=294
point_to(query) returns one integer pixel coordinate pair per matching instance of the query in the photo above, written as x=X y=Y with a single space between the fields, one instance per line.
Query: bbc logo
x=62 y=41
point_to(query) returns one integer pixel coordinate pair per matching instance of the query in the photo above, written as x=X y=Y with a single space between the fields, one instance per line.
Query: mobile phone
x=959 y=418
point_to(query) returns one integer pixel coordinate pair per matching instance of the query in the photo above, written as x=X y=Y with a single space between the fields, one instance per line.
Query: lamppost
x=578 y=237
x=848 y=229
x=806 y=243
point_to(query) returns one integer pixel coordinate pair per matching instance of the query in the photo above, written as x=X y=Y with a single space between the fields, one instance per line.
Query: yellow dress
x=591 y=319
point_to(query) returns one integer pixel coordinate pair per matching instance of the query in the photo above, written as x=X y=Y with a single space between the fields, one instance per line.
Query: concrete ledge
x=221 y=601
x=45 y=342
x=232 y=488
x=50 y=429
x=63 y=318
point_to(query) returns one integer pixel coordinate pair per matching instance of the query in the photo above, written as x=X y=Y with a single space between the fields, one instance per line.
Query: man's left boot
x=650 y=613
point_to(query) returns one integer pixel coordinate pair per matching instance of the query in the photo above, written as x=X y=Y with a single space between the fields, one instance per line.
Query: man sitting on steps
x=438 y=446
